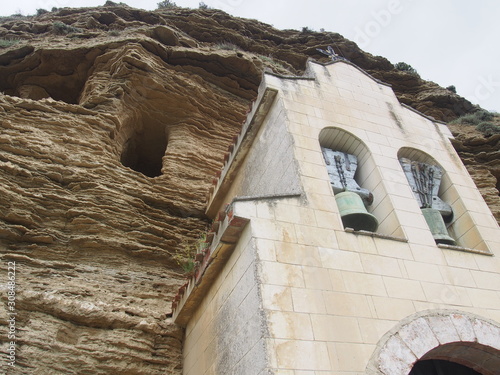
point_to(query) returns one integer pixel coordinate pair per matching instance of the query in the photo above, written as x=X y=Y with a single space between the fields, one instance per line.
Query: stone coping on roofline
x=221 y=240
x=239 y=148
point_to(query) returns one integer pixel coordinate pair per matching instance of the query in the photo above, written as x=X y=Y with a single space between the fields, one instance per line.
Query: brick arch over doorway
x=455 y=336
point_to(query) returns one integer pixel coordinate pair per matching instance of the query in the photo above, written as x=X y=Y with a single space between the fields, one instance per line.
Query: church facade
x=348 y=238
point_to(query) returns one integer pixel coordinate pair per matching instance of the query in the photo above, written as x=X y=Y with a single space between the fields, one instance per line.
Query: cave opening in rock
x=144 y=150
x=57 y=74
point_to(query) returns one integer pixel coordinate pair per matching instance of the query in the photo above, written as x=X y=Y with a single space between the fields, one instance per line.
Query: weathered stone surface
x=112 y=128
x=396 y=357
x=481 y=156
x=474 y=348
x=92 y=239
x=418 y=337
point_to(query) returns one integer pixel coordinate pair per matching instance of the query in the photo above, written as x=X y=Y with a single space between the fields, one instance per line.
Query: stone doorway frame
x=452 y=335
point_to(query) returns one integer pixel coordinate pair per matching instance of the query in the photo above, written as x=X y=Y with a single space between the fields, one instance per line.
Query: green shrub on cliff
x=452 y=88
x=404 y=67
x=4 y=43
x=486 y=122
x=488 y=128
x=227 y=46
x=62 y=28
x=474 y=118
x=166 y=4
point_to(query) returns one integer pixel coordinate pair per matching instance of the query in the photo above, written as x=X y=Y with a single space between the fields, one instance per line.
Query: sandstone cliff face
x=113 y=122
x=481 y=156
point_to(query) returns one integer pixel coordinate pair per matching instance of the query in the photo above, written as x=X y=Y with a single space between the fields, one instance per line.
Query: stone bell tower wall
x=324 y=296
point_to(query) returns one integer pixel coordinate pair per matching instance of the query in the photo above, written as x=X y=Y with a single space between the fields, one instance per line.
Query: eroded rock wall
x=91 y=227
x=113 y=123
x=481 y=156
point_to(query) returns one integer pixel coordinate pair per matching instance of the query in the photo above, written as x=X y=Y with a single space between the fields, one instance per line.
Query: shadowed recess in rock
x=58 y=74
x=144 y=150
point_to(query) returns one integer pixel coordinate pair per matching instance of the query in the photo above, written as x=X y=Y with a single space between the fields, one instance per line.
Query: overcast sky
x=450 y=42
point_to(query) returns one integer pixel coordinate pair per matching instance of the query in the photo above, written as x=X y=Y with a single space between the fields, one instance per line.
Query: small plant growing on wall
x=185 y=255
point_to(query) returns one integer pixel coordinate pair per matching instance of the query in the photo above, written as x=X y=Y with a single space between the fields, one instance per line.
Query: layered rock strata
x=481 y=156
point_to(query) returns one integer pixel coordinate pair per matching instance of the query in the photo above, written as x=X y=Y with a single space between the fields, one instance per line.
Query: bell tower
x=348 y=238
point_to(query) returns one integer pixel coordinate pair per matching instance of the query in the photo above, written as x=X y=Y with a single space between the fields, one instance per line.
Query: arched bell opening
x=356 y=183
x=454 y=224
x=425 y=175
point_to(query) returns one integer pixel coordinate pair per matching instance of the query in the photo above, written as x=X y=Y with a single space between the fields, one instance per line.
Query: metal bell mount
x=424 y=180
x=350 y=197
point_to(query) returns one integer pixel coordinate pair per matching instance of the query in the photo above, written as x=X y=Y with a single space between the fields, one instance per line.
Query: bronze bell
x=353 y=212
x=437 y=226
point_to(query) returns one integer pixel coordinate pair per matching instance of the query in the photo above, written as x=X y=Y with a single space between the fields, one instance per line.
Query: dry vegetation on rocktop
x=98 y=101
x=161 y=31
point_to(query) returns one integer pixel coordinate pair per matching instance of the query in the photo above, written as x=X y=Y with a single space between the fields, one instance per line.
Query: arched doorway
x=439 y=342
x=441 y=367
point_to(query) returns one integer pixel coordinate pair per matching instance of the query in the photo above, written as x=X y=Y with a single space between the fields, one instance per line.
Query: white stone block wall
x=327 y=305
x=225 y=335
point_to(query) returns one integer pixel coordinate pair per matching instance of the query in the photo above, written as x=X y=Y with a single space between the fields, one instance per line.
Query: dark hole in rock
x=107 y=18
x=144 y=150
x=58 y=74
